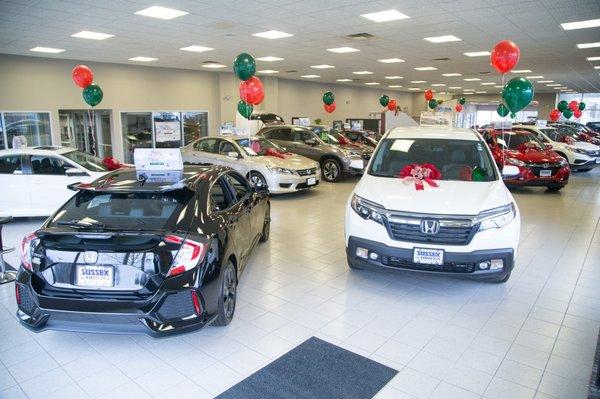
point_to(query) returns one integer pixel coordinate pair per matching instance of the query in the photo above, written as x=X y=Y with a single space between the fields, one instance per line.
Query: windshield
x=462 y=160
x=258 y=146
x=568 y=131
x=123 y=211
x=553 y=134
x=519 y=141
x=88 y=161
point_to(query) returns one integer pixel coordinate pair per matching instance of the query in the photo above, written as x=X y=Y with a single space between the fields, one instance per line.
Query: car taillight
x=26 y=247
x=196 y=302
x=17 y=294
x=190 y=254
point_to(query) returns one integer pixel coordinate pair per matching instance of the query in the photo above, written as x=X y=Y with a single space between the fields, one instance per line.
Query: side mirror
x=510 y=171
x=75 y=172
x=233 y=154
x=310 y=141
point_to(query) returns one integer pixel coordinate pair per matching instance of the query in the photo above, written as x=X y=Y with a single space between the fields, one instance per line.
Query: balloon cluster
x=84 y=78
x=459 y=105
x=391 y=104
x=574 y=108
x=329 y=102
x=251 y=88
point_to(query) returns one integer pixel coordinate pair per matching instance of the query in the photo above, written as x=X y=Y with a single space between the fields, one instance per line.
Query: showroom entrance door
x=87 y=130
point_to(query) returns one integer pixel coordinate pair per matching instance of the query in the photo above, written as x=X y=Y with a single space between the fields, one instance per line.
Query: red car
x=538 y=165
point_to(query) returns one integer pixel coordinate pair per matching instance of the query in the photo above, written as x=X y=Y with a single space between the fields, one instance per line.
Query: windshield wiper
x=81 y=224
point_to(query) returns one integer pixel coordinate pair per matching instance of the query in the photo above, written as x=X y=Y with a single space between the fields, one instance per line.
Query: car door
x=15 y=199
x=239 y=214
x=203 y=152
x=300 y=136
x=225 y=156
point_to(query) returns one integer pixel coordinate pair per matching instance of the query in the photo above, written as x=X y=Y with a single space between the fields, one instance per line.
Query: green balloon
x=93 y=95
x=517 y=94
x=567 y=113
x=244 y=66
x=581 y=106
x=502 y=110
x=563 y=106
x=462 y=101
x=245 y=109
x=384 y=100
x=432 y=103
x=328 y=98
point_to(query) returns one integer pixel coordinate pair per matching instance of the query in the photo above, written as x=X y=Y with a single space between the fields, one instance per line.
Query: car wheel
x=555 y=188
x=257 y=179
x=266 y=231
x=331 y=169
x=501 y=280
x=227 y=298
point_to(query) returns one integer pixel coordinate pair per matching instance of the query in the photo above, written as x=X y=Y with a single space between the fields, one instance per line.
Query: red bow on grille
x=419 y=174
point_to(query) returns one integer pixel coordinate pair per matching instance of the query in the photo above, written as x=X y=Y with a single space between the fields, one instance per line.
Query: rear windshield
x=125 y=211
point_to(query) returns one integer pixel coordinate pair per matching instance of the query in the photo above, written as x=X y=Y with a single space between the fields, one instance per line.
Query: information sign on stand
x=163 y=165
x=437 y=119
x=541 y=123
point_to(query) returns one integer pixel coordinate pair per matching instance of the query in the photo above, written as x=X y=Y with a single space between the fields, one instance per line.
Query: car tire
x=353 y=265
x=501 y=280
x=554 y=189
x=227 y=296
x=266 y=231
x=331 y=170
x=257 y=179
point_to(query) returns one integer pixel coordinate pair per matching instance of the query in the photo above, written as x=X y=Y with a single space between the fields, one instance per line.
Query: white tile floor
x=532 y=337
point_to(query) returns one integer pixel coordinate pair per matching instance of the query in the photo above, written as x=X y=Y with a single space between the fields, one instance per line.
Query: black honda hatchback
x=136 y=253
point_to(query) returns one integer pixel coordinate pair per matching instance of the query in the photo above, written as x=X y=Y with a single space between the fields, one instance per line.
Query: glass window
x=519 y=141
x=279 y=134
x=301 y=135
x=258 y=146
x=85 y=160
x=48 y=165
x=239 y=185
x=225 y=147
x=2 y=144
x=206 y=145
x=32 y=128
x=137 y=132
x=167 y=129
x=218 y=199
x=195 y=125
x=9 y=164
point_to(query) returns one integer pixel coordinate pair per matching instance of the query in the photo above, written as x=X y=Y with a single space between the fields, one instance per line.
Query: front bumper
x=585 y=163
x=455 y=263
x=527 y=178
x=281 y=184
x=354 y=165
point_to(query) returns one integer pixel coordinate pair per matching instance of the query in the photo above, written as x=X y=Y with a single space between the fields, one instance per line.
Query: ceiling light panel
x=161 y=12
x=385 y=16
x=272 y=34
x=363 y=73
x=521 y=71
x=452 y=74
x=213 y=65
x=438 y=85
x=394 y=77
x=545 y=81
x=454 y=87
x=394 y=86
x=442 y=39
x=427 y=68
x=341 y=50
x=49 y=50
x=372 y=83
x=310 y=76
x=196 y=49
x=588 y=45
x=390 y=60
x=471 y=79
x=590 y=23
x=477 y=53
x=535 y=77
x=488 y=83
x=85 y=34
x=322 y=66
x=267 y=71
x=418 y=81
x=343 y=80
x=143 y=59
x=593 y=58
x=269 y=58
x=413 y=88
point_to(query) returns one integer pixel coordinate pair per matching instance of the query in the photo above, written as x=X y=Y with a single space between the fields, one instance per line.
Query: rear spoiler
x=180 y=185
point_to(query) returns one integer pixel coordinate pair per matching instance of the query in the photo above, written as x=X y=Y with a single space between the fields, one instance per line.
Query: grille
x=535 y=169
x=306 y=172
x=394 y=261
x=446 y=235
x=27 y=304
x=176 y=306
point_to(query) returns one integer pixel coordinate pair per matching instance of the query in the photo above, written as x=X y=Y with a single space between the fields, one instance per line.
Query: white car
x=259 y=159
x=34 y=180
x=463 y=222
x=582 y=156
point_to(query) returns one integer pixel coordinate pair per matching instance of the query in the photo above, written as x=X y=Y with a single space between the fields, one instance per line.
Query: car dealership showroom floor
x=533 y=336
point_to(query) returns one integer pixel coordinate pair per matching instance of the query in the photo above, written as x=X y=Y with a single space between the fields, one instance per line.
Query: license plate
x=545 y=173
x=95 y=276
x=428 y=256
x=311 y=181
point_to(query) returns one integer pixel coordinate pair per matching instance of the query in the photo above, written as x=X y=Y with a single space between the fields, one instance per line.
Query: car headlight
x=514 y=161
x=282 y=171
x=563 y=162
x=580 y=151
x=367 y=209
x=496 y=218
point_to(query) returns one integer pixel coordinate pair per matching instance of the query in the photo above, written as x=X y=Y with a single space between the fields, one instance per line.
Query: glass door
x=86 y=130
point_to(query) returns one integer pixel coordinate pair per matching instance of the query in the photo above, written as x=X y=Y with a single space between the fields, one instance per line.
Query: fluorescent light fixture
x=85 y=34
x=363 y=73
x=545 y=81
x=553 y=84
x=471 y=79
x=269 y=58
x=385 y=16
x=498 y=86
x=418 y=81
x=413 y=88
x=521 y=71
x=371 y=83
x=49 y=50
x=394 y=77
x=452 y=74
x=213 y=65
x=322 y=66
x=394 y=86
x=588 y=45
x=390 y=60
x=438 y=85
x=593 y=58
x=590 y=23
x=196 y=49
x=272 y=34
x=341 y=50
x=488 y=83
x=597 y=67
x=143 y=59
x=535 y=77
x=310 y=76
x=454 y=87
x=481 y=92
x=161 y=12
x=442 y=39
x=427 y=68
x=268 y=71
x=477 y=53
x=343 y=80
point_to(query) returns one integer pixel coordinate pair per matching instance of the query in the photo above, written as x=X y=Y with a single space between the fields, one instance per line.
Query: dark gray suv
x=334 y=160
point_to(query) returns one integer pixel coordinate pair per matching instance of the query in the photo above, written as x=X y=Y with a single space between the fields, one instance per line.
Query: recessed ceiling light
x=47 y=50
x=477 y=53
x=372 y=83
x=442 y=39
x=390 y=60
x=310 y=76
x=590 y=23
x=521 y=71
x=343 y=80
x=196 y=49
x=498 y=86
x=593 y=58
x=342 y=50
x=427 y=68
x=597 y=67
x=394 y=86
x=394 y=77
x=471 y=79
x=488 y=83
x=454 y=87
x=553 y=84
x=143 y=59
x=535 y=77
x=268 y=71
x=272 y=34
x=269 y=58
x=452 y=74
x=213 y=65
x=322 y=66
x=588 y=45
x=161 y=12
x=418 y=81
x=481 y=92
x=385 y=16
x=413 y=88
x=363 y=73
x=84 y=34
x=438 y=85
x=545 y=81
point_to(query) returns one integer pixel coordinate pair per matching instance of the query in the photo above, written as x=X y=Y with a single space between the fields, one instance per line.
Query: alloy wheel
x=330 y=170
x=256 y=180
x=229 y=291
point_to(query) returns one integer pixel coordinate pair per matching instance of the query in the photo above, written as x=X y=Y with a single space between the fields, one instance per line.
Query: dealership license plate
x=545 y=173
x=95 y=276
x=428 y=256
x=311 y=181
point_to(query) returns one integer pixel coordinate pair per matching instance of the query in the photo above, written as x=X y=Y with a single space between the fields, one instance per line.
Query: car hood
x=292 y=161
x=582 y=145
x=449 y=198
x=533 y=156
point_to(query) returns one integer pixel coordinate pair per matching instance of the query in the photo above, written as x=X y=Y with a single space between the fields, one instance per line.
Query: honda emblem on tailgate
x=90 y=257
x=430 y=226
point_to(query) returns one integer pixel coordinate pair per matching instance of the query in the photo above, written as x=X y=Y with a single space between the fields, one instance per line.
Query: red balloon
x=329 y=108
x=458 y=107
x=82 y=76
x=554 y=115
x=392 y=104
x=252 y=91
x=505 y=56
x=428 y=94
x=573 y=105
x=577 y=113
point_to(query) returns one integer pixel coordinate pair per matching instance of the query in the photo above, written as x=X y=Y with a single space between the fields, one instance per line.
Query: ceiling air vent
x=360 y=36
x=441 y=59
x=484 y=73
x=291 y=71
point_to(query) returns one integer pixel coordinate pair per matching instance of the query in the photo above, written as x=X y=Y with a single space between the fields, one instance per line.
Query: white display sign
x=302 y=121
x=167 y=131
x=157 y=159
x=437 y=119
x=541 y=123
x=503 y=125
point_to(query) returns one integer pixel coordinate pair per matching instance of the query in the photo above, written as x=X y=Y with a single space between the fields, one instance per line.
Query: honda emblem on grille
x=545 y=165
x=430 y=226
x=90 y=257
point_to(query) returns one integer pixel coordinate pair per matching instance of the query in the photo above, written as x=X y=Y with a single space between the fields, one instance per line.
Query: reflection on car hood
x=534 y=156
x=450 y=198
x=293 y=161
x=584 y=146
